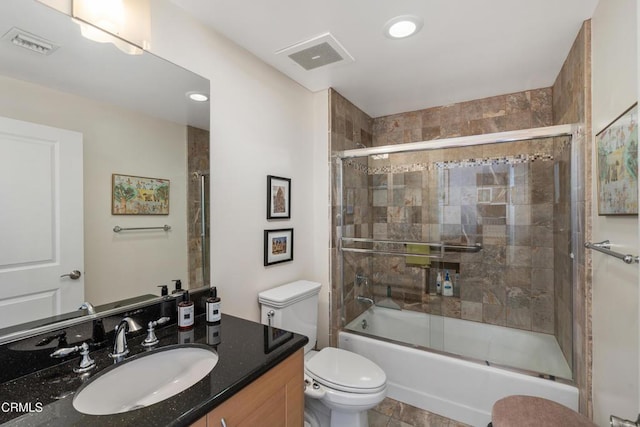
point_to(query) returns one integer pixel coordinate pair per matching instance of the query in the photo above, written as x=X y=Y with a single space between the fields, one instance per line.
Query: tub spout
x=365 y=299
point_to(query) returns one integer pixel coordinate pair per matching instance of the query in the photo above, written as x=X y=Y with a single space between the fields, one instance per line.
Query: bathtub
x=460 y=380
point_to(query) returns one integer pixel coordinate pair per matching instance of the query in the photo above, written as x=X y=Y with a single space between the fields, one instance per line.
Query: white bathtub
x=456 y=388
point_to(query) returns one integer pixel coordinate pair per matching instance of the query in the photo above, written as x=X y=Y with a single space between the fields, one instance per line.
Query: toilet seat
x=345 y=371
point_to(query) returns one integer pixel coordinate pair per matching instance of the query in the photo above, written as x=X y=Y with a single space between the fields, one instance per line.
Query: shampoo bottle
x=186 y=313
x=439 y=284
x=213 y=307
x=447 y=288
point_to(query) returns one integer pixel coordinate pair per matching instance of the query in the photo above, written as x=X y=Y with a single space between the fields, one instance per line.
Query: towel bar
x=605 y=248
x=118 y=229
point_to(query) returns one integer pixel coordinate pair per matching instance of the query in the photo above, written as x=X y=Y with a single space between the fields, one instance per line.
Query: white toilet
x=341 y=385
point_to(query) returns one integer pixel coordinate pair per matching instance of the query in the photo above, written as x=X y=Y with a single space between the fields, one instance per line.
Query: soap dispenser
x=178 y=288
x=164 y=291
x=186 y=312
x=213 y=307
x=447 y=288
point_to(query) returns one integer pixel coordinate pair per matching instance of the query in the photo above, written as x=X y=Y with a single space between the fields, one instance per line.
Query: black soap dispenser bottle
x=214 y=315
x=164 y=291
x=178 y=288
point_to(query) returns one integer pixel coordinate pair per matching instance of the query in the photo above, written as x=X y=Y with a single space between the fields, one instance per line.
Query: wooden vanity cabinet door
x=275 y=399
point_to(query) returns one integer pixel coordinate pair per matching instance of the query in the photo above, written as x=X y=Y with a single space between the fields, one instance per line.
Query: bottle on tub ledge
x=439 y=284
x=447 y=287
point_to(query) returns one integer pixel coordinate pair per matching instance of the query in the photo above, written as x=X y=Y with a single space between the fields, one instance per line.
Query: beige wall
x=615 y=285
x=115 y=141
x=261 y=123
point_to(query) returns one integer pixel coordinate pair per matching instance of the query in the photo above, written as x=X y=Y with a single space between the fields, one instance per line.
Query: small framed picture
x=278 y=197
x=617 y=162
x=278 y=246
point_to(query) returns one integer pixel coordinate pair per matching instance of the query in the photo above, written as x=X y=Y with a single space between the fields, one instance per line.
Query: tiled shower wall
x=349 y=128
x=572 y=104
x=198 y=162
x=506 y=112
x=500 y=196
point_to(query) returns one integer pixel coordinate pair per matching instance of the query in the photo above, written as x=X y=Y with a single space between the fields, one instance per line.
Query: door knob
x=74 y=275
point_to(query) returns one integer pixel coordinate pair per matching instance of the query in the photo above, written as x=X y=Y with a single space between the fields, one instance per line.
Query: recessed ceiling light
x=402 y=26
x=198 y=96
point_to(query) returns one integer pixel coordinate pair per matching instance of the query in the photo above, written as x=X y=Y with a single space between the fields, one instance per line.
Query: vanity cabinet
x=274 y=399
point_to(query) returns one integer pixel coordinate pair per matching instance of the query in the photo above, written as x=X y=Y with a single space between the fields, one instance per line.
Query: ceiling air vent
x=317 y=52
x=30 y=41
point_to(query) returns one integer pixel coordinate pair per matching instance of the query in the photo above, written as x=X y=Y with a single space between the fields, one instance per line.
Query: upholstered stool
x=529 y=411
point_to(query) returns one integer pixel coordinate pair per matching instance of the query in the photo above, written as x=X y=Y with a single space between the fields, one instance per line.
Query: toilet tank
x=294 y=307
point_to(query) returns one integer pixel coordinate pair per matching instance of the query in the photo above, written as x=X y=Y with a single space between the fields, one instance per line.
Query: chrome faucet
x=120 y=349
x=365 y=299
x=87 y=306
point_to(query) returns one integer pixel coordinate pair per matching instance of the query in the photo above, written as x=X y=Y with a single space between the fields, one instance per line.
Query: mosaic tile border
x=449 y=164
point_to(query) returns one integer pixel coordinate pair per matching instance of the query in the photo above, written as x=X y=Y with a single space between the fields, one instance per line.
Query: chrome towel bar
x=605 y=248
x=440 y=247
x=118 y=229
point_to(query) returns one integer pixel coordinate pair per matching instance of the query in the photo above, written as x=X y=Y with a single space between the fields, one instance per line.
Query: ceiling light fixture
x=125 y=23
x=403 y=26
x=198 y=96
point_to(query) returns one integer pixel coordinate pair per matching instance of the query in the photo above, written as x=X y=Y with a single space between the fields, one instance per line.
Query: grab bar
x=441 y=246
x=118 y=229
x=605 y=248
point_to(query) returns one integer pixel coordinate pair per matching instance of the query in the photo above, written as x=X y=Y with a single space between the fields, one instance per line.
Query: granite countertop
x=245 y=352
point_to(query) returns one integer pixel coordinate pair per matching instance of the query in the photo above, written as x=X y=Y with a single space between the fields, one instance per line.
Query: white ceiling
x=467 y=49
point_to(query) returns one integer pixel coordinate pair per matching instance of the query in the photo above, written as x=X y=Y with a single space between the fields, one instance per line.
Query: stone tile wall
x=197 y=163
x=406 y=206
x=522 y=110
x=349 y=127
x=462 y=196
x=572 y=104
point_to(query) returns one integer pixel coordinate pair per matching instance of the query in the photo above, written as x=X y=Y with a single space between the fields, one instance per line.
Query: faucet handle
x=86 y=363
x=63 y=352
x=151 y=338
x=162 y=321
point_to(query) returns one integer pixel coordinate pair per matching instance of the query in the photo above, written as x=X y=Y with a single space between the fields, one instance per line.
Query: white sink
x=144 y=380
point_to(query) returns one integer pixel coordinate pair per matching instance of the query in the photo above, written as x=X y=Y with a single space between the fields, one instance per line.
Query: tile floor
x=391 y=413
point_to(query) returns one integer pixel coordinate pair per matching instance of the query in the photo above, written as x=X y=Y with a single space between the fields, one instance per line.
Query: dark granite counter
x=246 y=350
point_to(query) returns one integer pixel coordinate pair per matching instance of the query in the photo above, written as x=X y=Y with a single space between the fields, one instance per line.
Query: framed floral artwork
x=136 y=195
x=617 y=162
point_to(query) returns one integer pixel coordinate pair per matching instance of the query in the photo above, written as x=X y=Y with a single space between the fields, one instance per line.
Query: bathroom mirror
x=135 y=119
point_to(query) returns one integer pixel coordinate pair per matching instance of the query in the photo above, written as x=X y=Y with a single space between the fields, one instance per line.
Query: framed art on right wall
x=617 y=165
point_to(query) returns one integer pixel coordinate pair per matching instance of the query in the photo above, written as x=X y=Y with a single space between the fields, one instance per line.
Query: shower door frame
x=575 y=131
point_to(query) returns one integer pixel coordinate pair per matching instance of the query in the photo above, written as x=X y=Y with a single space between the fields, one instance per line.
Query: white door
x=41 y=221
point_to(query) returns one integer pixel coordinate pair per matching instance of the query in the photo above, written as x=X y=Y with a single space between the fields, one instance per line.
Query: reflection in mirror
x=131 y=116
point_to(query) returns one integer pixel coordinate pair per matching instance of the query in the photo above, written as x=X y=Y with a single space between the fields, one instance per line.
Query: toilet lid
x=347 y=371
